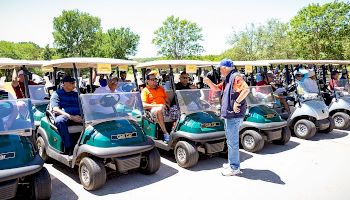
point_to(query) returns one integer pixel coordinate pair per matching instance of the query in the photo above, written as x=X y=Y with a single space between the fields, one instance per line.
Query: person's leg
x=232 y=136
x=61 y=124
x=160 y=119
x=285 y=104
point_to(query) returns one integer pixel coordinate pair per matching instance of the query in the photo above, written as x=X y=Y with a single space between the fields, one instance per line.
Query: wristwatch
x=237 y=102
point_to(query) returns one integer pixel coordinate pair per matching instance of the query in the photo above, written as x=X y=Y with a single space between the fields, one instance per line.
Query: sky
x=31 y=20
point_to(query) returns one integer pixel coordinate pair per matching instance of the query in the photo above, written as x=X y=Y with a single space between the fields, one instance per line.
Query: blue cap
x=226 y=63
x=68 y=79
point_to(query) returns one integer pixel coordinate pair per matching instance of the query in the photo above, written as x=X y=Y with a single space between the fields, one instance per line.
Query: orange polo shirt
x=154 y=95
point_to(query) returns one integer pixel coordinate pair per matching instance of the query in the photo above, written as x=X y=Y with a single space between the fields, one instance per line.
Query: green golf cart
x=110 y=135
x=21 y=168
x=199 y=128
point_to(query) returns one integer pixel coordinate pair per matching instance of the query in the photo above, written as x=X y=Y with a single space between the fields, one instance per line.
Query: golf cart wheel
x=304 y=129
x=286 y=134
x=41 y=185
x=252 y=141
x=151 y=162
x=40 y=145
x=331 y=126
x=186 y=154
x=341 y=120
x=92 y=173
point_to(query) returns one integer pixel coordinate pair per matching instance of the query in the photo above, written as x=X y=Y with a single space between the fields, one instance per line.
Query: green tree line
x=318 y=31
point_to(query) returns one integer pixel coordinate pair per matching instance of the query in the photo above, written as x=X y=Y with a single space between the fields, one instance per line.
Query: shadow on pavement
x=329 y=136
x=64 y=192
x=263 y=175
x=216 y=162
x=273 y=148
x=117 y=183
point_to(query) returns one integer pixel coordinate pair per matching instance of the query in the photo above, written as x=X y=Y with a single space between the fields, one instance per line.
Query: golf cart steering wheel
x=109 y=100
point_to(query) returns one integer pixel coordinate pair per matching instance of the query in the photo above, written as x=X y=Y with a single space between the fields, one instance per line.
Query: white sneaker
x=230 y=172
x=226 y=165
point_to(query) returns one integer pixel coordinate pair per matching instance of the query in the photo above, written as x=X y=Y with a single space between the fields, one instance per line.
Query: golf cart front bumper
x=271 y=131
x=323 y=124
x=29 y=168
x=120 y=151
x=203 y=137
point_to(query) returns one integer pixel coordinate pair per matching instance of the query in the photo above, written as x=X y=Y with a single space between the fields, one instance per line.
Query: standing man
x=233 y=107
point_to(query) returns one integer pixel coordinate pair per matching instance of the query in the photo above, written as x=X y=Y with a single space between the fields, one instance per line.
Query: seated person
x=184 y=82
x=112 y=86
x=344 y=74
x=333 y=83
x=64 y=103
x=155 y=98
x=123 y=77
x=310 y=84
x=18 y=84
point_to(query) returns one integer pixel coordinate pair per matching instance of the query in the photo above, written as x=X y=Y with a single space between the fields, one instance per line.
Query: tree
x=21 y=50
x=269 y=41
x=318 y=30
x=177 y=39
x=47 y=53
x=123 y=42
x=75 y=33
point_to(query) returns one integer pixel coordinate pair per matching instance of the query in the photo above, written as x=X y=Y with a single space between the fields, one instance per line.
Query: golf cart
x=198 y=129
x=21 y=167
x=261 y=123
x=36 y=93
x=308 y=113
x=110 y=135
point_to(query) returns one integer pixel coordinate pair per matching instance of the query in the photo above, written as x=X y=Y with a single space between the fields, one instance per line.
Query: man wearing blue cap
x=64 y=103
x=234 y=90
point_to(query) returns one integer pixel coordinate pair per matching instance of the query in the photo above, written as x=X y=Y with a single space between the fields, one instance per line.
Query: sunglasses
x=184 y=77
x=153 y=79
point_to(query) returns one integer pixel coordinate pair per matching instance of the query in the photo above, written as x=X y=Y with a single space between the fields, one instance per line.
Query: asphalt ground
x=301 y=169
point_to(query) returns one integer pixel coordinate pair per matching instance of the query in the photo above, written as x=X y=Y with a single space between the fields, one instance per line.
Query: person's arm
x=14 y=79
x=54 y=103
x=242 y=87
x=212 y=85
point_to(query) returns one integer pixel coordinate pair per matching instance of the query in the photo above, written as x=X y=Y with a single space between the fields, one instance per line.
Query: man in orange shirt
x=155 y=98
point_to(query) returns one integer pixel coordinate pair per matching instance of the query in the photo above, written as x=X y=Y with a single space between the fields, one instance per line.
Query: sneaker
x=226 y=165
x=166 y=138
x=230 y=172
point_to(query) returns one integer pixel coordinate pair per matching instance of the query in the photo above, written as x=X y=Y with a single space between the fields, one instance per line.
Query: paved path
x=316 y=169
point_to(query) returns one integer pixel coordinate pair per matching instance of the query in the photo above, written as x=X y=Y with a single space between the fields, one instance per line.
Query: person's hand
x=236 y=108
x=76 y=118
x=206 y=80
x=15 y=83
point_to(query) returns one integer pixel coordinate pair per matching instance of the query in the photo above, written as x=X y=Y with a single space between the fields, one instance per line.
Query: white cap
x=311 y=73
x=20 y=72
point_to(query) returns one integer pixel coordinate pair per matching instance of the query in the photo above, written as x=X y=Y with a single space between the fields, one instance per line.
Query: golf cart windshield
x=198 y=100
x=16 y=117
x=260 y=95
x=38 y=94
x=126 y=87
x=111 y=106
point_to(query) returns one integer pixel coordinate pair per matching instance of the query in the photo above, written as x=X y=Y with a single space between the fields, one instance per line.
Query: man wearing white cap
x=310 y=84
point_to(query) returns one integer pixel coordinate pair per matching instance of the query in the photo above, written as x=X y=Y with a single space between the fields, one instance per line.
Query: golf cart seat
x=72 y=126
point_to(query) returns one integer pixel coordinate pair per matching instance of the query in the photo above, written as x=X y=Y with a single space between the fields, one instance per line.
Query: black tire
x=286 y=134
x=341 y=120
x=151 y=163
x=252 y=141
x=331 y=126
x=304 y=129
x=186 y=154
x=92 y=173
x=41 y=185
x=41 y=147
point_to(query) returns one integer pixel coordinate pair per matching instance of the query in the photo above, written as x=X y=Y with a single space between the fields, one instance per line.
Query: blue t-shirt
x=67 y=101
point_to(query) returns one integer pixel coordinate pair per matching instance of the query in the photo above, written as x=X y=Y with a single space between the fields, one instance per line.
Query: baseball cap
x=68 y=79
x=20 y=72
x=226 y=63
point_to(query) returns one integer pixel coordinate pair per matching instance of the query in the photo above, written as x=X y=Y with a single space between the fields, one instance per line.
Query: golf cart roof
x=316 y=62
x=175 y=63
x=251 y=63
x=86 y=62
x=8 y=63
